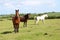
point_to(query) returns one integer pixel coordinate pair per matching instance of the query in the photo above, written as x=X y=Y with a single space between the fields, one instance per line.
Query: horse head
x=17 y=13
x=46 y=15
x=27 y=16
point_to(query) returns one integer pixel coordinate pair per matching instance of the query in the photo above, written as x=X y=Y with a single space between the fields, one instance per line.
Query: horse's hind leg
x=25 y=24
x=43 y=21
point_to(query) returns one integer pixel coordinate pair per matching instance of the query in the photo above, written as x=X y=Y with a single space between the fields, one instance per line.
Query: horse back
x=22 y=19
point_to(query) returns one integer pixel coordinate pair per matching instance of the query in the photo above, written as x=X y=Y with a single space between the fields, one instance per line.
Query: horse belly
x=22 y=19
x=40 y=18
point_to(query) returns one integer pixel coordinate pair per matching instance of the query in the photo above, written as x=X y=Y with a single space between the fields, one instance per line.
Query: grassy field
x=48 y=31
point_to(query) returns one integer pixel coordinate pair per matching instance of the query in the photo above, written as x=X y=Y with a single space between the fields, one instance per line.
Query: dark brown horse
x=24 y=19
x=16 y=21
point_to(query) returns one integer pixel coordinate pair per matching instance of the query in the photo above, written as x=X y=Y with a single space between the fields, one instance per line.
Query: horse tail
x=35 y=18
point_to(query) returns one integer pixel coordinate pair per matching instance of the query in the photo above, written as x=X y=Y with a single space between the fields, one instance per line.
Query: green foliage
x=51 y=15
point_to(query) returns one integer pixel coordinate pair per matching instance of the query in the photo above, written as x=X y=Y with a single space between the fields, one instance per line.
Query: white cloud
x=33 y=3
x=8 y=5
x=30 y=3
x=39 y=2
x=11 y=4
x=50 y=3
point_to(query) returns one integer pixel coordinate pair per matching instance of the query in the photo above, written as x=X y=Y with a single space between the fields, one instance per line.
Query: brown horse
x=24 y=19
x=16 y=21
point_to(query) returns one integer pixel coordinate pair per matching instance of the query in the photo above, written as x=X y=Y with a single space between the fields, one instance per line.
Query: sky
x=29 y=6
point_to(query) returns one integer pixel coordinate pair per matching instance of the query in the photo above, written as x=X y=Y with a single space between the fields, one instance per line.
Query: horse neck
x=17 y=14
x=26 y=16
x=44 y=15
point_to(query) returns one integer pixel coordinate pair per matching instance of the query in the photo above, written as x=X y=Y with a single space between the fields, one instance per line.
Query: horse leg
x=37 y=21
x=25 y=24
x=43 y=21
x=17 y=28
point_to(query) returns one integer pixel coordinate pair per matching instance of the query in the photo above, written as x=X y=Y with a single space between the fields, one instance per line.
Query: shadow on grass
x=1 y=20
x=6 y=32
x=9 y=19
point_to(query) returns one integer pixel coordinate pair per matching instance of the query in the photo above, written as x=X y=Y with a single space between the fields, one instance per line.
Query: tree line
x=51 y=15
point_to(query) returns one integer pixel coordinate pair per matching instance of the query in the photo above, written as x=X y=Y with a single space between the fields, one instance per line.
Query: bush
x=51 y=15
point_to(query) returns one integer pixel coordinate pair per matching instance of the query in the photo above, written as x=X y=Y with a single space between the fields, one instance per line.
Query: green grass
x=32 y=32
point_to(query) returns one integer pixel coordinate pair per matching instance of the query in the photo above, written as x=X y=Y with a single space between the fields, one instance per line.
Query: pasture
x=48 y=31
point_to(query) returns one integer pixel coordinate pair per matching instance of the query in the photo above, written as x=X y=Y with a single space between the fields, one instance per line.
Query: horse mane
x=43 y=14
x=26 y=16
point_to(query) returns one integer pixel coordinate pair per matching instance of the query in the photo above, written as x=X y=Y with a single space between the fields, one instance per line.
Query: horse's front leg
x=25 y=24
x=37 y=21
x=16 y=28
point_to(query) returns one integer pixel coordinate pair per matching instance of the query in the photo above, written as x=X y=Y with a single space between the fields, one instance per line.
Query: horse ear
x=18 y=9
x=28 y=13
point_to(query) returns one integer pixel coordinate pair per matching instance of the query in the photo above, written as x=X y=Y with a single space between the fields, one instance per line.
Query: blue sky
x=29 y=6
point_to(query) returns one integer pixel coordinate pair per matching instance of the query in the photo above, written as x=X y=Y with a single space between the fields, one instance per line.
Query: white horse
x=42 y=18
